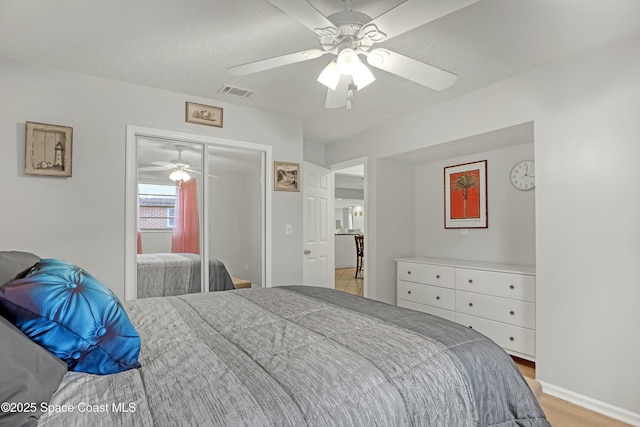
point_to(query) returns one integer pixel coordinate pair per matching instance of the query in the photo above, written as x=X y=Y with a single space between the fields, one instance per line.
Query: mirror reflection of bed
x=177 y=211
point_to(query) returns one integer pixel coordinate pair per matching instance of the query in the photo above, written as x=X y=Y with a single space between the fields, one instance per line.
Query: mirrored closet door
x=192 y=199
x=169 y=216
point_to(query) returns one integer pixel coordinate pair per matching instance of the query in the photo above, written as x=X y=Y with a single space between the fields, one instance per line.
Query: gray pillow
x=14 y=264
x=29 y=374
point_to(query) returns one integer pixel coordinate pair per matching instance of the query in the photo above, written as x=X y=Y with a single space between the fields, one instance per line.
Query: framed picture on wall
x=286 y=176
x=465 y=195
x=203 y=114
x=47 y=149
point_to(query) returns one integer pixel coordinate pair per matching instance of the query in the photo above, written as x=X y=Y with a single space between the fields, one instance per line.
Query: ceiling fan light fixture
x=179 y=175
x=330 y=76
x=347 y=61
x=362 y=76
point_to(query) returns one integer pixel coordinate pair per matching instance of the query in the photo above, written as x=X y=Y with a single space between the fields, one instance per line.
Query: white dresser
x=497 y=300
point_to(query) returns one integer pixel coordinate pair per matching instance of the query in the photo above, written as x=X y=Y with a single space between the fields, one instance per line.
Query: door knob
x=307 y=251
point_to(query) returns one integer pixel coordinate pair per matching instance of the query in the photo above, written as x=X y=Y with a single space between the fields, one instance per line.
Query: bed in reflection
x=170 y=274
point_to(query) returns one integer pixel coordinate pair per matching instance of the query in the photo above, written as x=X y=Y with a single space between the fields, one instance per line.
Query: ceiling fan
x=178 y=167
x=349 y=34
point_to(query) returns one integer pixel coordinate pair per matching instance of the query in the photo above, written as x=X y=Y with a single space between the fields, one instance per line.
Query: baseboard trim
x=592 y=404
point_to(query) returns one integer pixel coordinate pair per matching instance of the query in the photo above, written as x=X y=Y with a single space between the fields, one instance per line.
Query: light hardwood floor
x=560 y=413
x=347 y=282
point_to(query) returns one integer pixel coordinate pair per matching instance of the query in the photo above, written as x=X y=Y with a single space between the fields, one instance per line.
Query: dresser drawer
x=429 y=274
x=445 y=314
x=510 y=337
x=426 y=294
x=518 y=313
x=507 y=285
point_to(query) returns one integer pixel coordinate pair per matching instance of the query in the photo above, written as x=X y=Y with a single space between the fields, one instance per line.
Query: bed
x=285 y=356
x=169 y=274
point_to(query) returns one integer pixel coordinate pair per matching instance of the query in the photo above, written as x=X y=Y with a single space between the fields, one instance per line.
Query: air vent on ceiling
x=236 y=91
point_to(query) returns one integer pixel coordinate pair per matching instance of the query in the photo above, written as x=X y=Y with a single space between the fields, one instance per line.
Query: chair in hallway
x=359 y=253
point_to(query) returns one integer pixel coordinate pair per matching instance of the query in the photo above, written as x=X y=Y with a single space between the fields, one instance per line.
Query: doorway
x=350 y=218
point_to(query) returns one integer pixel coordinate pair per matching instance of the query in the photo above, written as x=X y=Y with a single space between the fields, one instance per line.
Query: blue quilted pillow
x=67 y=311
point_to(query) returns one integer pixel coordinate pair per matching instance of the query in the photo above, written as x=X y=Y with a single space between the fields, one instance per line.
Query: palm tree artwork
x=464 y=182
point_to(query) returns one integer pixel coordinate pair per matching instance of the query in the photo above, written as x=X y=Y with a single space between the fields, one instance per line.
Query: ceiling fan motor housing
x=349 y=22
x=353 y=30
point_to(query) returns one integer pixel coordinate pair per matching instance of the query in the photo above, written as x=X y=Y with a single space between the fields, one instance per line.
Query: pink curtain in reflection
x=138 y=226
x=186 y=228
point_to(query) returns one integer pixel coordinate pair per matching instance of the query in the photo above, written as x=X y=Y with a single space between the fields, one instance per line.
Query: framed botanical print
x=465 y=195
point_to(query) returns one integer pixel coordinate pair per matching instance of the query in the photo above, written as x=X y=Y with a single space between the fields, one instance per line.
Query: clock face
x=523 y=175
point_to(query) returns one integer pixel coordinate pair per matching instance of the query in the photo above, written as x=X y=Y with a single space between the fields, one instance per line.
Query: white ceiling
x=186 y=46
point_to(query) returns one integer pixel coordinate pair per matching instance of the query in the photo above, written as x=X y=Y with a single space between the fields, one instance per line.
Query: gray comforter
x=169 y=274
x=296 y=356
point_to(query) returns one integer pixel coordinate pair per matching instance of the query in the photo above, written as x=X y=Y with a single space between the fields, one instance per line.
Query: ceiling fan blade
x=200 y=173
x=278 y=61
x=338 y=98
x=152 y=168
x=411 y=69
x=166 y=165
x=414 y=13
x=307 y=15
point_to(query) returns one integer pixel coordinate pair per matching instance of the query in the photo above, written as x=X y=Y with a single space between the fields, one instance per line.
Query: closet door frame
x=131 y=194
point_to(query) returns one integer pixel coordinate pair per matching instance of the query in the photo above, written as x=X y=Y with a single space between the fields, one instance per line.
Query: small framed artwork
x=203 y=114
x=48 y=149
x=286 y=176
x=465 y=195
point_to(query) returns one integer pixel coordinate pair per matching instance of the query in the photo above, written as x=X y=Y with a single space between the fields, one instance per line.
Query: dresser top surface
x=505 y=268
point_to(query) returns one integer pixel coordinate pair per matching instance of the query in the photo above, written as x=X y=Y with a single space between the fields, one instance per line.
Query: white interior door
x=318 y=228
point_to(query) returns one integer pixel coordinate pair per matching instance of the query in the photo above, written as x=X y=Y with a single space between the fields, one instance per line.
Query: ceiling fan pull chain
x=351 y=88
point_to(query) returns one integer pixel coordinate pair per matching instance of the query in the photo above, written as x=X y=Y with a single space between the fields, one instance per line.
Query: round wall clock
x=523 y=175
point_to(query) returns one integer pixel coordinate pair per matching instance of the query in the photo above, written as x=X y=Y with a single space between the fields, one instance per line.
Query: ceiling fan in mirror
x=179 y=168
x=349 y=34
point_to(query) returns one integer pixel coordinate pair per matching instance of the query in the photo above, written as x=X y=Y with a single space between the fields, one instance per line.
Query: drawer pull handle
x=470 y=327
x=470 y=304
x=437 y=276
x=437 y=297
x=409 y=292
x=470 y=281
x=511 y=287
x=512 y=312
x=409 y=272
x=512 y=339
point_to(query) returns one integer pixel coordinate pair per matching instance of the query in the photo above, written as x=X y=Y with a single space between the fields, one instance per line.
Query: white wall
x=358 y=218
x=81 y=219
x=395 y=213
x=313 y=152
x=156 y=241
x=510 y=237
x=585 y=112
